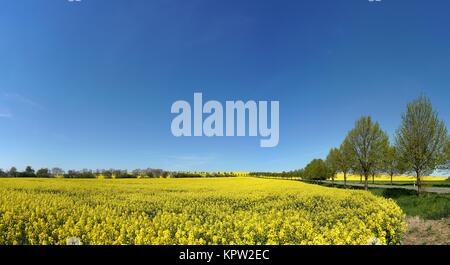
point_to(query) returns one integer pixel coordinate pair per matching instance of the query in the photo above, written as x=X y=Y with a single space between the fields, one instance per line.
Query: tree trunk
x=345 y=179
x=391 y=178
x=360 y=179
x=418 y=182
x=366 y=182
x=373 y=178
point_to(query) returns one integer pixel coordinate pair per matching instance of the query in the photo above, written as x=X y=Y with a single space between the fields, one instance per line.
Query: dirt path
x=427 y=232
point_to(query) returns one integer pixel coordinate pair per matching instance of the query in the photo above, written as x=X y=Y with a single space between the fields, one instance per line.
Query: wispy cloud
x=23 y=100
x=6 y=114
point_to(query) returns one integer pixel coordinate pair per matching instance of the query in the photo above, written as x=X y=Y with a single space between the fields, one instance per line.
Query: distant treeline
x=56 y=172
x=288 y=175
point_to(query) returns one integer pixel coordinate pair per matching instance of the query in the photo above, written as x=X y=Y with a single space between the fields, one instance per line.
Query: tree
x=345 y=161
x=43 y=173
x=86 y=173
x=57 y=172
x=392 y=163
x=447 y=149
x=12 y=172
x=332 y=163
x=3 y=173
x=356 y=170
x=71 y=174
x=165 y=174
x=373 y=173
x=29 y=172
x=421 y=139
x=447 y=159
x=368 y=144
x=316 y=170
x=107 y=173
x=299 y=173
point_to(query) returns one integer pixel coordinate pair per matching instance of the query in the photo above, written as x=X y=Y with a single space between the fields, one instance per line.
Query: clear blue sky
x=90 y=84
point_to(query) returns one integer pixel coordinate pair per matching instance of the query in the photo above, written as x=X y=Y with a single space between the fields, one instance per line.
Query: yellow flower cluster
x=237 y=210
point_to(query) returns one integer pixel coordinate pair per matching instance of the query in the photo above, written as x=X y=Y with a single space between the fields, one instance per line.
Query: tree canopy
x=367 y=145
x=421 y=139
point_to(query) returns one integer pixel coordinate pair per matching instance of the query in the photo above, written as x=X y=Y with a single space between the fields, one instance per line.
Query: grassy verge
x=428 y=205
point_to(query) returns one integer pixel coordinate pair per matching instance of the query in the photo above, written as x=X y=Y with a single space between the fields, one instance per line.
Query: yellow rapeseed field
x=235 y=210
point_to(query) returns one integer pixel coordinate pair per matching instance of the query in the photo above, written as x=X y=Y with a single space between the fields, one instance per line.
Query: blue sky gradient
x=90 y=84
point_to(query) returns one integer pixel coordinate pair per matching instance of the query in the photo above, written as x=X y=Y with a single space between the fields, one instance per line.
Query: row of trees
x=85 y=173
x=421 y=145
x=29 y=172
x=295 y=174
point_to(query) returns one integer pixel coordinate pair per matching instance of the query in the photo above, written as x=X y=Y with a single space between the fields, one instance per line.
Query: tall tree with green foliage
x=43 y=173
x=345 y=161
x=56 y=171
x=448 y=148
x=368 y=144
x=332 y=163
x=13 y=172
x=29 y=172
x=421 y=139
x=392 y=163
x=447 y=152
x=316 y=170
